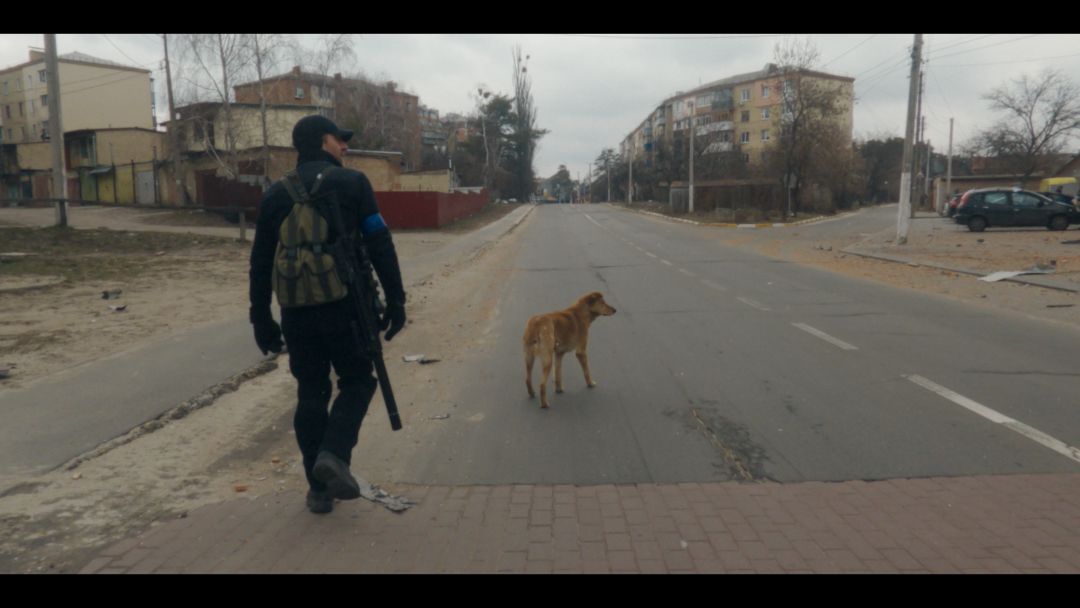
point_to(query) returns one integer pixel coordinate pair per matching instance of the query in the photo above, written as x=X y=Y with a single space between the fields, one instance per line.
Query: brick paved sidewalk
x=987 y=524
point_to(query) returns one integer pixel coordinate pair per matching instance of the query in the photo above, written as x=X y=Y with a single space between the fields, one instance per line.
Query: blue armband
x=373 y=224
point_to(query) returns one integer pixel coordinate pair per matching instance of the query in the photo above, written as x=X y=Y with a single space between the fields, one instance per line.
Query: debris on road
x=421 y=359
x=1060 y=305
x=120 y=308
x=1008 y=274
x=439 y=417
x=374 y=493
x=111 y=295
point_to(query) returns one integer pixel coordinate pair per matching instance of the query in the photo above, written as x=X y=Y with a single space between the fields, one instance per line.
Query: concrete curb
x=812 y=220
x=899 y=260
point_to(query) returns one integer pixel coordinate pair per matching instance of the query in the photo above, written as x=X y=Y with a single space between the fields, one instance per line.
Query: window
x=996 y=198
x=744 y=137
x=44 y=101
x=745 y=117
x=22 y=108
x=1026 y=201
x=745 y=95
x=787 y=86
x=7 y=113
x=33 y=107
x=9 y=136
x=745 y=158
x=5 y=87
x=764 y=113
x=24 y=137
x=299 y=92
x=764 y=135
x=765 y=90
x=42 y=76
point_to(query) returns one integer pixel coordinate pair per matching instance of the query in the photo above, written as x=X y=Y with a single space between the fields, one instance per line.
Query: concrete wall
x=427 y=210
x=426 y=181
x=95 y=97
x=125 y=146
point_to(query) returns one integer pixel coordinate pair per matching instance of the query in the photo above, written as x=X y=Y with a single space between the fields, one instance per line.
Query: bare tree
x=809 y=120
x=330 y=53
x=267 y=51
x=1042 y=115
x=213 y=61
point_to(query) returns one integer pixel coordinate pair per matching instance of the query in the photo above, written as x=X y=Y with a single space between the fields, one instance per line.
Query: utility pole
x=56 y=130
x=948 y=165
x=630 y=180
x=920 y=129
x=608 y=171
x=174 y=130
x=926 y=175
x=903 y=219
x=691 y=204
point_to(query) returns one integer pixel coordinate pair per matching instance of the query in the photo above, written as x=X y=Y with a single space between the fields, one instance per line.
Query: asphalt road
x=725 y=365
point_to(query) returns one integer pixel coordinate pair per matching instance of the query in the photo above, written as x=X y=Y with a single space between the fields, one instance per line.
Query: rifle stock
x=357 y=275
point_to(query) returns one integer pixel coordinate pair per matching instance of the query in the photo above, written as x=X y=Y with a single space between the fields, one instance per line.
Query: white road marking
x=666 y=262
x=592 y=220
x=1031 y=433
x=687 y=272
x=824 y=336
x=714 y=285
x=755 y=304
x=651 y=255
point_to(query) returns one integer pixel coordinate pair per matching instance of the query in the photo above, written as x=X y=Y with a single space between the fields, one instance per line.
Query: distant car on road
x=997 y=207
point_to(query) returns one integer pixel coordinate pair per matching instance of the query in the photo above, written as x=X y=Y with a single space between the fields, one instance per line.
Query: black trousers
x=318 y=338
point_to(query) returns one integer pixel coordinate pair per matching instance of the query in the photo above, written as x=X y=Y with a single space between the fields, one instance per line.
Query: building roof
x=297 y=74
x=77 y=57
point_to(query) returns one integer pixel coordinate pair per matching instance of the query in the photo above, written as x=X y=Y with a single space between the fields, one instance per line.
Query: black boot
x=333 y=471
x=320 y=502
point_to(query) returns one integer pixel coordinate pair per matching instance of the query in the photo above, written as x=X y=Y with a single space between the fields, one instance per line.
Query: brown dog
x=552 y=335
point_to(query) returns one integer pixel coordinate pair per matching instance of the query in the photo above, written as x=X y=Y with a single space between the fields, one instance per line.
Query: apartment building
x=94 y=93
x=742 y=112
x=382 y=116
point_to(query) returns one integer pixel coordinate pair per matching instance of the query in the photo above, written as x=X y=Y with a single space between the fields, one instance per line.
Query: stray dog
x=552 y=335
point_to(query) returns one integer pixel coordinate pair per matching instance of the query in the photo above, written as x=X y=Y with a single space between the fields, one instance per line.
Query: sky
x=590 y=91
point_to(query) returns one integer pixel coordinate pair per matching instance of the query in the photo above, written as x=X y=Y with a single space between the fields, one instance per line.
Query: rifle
x=357 y=274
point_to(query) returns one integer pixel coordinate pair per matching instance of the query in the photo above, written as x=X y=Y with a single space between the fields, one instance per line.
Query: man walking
x=290 y=258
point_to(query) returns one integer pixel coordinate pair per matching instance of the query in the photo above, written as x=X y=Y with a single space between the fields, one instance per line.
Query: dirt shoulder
x=933 y=241
x=242 y=445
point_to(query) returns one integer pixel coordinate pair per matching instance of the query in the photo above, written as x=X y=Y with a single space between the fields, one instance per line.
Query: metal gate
x=145 y=192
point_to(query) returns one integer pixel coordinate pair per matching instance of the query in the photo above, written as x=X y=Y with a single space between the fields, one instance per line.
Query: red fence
x=427 y=209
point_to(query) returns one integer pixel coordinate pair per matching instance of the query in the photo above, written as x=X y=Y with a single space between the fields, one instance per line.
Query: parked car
x=996 y=207
x=1060 y=197
x=952 y=204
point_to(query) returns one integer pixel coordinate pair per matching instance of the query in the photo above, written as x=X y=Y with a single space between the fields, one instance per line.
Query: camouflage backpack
x=304 y=270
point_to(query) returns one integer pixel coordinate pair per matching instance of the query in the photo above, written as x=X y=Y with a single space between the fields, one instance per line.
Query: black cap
x=309 y=131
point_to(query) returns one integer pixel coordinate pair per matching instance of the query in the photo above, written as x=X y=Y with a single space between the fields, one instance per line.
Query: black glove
x=267 y=333
x=394 y=319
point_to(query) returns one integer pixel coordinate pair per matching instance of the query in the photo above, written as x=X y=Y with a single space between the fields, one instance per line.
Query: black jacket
x=357 y=200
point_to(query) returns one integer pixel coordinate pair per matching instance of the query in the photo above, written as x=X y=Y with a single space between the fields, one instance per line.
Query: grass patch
x=99 y=254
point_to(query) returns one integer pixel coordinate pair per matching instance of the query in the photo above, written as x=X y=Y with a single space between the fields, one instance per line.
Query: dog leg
x=529 y=359
x=546 y=360
x=583 y=359
x=558 y=372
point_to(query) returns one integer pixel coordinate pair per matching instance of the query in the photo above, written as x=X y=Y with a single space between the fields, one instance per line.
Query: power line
x=849 y=50
x=628 y=37
x=966 y=65
x=984 y=47
x=113 y=44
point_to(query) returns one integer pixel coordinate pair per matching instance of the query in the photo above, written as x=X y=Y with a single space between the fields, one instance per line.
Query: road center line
x=592 y=220
x=714 y=285
x=993 y=416
x=753 y=303
x=650 y=254
x=666 y=262
x=687 y=272
x=824 y=336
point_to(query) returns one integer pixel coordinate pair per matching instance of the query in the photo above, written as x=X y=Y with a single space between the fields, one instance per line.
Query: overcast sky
x=590 y=91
